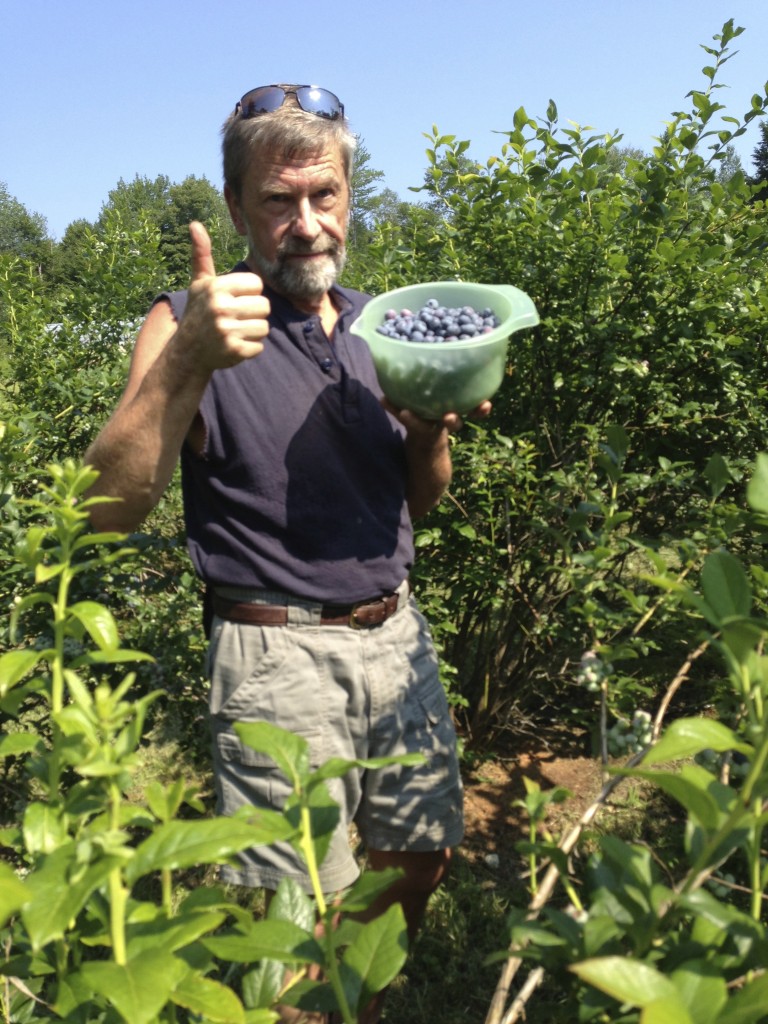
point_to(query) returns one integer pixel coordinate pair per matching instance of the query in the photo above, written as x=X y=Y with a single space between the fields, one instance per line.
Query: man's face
x=294 y=213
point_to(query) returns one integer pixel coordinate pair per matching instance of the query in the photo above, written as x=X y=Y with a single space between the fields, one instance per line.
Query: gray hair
x=288 y=131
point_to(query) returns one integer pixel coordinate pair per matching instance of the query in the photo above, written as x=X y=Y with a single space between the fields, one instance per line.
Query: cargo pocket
x=244 y=663
x=245 y=777
x=437 y=736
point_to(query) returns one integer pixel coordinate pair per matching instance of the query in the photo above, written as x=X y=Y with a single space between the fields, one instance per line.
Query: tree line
x=167 y=207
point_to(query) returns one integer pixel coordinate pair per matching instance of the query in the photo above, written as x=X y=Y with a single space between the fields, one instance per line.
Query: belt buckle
x=352 y=622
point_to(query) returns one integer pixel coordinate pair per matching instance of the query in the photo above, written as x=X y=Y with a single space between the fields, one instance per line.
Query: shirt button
x=309 y=326
x=326 y=365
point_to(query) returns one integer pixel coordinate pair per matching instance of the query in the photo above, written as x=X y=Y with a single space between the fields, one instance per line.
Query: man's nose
x=305 y=222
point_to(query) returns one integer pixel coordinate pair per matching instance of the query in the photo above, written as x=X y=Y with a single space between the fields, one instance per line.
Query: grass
x=446 y=976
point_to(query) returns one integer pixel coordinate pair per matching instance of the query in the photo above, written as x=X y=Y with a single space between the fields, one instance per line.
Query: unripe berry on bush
x=592 y=671
x=629 y=737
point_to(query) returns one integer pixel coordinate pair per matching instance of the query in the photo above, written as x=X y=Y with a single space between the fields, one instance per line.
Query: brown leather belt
x=362 y=615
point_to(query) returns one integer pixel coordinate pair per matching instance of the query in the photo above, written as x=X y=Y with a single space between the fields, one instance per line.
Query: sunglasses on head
x=311 y=98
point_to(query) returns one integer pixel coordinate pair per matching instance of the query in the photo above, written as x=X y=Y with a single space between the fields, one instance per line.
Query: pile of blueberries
x=437 y=323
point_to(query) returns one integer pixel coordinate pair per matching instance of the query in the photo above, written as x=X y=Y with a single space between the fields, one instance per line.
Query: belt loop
x=301 y=613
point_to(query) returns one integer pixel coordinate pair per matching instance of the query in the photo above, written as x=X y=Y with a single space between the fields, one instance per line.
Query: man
x=299 y=487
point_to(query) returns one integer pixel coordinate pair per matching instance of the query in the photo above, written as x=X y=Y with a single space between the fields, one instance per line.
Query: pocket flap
x=231 y=748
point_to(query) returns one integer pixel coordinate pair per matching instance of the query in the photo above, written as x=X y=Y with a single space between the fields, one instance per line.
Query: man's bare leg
x=423 y=872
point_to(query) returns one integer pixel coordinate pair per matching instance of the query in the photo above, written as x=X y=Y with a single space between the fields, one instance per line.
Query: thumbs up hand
x=226 y=317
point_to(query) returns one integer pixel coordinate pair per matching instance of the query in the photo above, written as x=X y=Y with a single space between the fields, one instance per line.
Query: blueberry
x=437 y=323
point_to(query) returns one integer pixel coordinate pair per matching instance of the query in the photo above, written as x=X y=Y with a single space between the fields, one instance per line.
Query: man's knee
x=422 y=871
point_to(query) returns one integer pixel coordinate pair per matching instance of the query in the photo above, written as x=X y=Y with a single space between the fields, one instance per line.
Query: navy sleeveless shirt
x=301 y=483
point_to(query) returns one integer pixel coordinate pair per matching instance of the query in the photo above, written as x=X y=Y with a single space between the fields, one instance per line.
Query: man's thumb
x=202 y=257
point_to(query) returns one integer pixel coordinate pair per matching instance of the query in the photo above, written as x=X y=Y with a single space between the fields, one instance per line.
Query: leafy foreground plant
x=659 y=940
x=82 y=940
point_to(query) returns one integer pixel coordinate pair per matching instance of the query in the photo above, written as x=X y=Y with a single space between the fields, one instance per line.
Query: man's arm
x=136 y=452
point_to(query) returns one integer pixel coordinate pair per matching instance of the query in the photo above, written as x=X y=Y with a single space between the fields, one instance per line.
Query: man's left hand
x=418 y=426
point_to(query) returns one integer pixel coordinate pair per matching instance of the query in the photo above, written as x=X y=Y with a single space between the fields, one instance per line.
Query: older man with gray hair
x=300 y=484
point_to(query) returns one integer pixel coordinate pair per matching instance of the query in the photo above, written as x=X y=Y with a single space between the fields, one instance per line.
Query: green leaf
x=686 y=737
x=703 y=991
x=289 y=751
x=112 y=656
x=173 y=933
x=375 y=957
x=757 y=488
x=311 y=996
x=15 y=665
x=742 y=637
x=184 y=844
x=466 y=530
x=276 y=940
x=748 y=1005
x=139 y=989
x=726 y=585
x=618 y=443
x=291 y=903
x=44 y=826
x=368 y=887
x=13 y=893
x=629 y=981
x=262 y=984
x=722 y=916
x=57 y=894
x=44 y=573
x=690 y=787
x=99 y=623
x=18 y=743
x=667 y=1011
x=718 y=475
x=336 y=767
x=261 y=1016
x=209 y=999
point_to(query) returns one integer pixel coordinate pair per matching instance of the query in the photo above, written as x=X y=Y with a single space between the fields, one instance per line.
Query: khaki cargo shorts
x=351 y=693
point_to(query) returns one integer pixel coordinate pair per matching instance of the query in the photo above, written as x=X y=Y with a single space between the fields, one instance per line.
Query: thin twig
x=675 y=685
x=532 y=982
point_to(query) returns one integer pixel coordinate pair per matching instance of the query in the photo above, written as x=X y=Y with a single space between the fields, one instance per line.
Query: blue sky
x=98 y=90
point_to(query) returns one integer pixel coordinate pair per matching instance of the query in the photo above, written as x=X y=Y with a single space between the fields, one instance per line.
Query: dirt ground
x=493 y=823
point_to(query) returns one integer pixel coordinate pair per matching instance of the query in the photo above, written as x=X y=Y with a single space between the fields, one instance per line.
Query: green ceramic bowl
x=432 y=379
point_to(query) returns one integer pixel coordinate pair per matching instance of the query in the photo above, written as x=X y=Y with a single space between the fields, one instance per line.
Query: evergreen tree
x=71 y=263
x=730 y=165
x=760 y=161
x=24 y=234
x=364 y=195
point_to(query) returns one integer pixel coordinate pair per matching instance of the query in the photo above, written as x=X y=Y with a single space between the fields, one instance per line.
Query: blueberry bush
x=93 y=926
x=640 y=394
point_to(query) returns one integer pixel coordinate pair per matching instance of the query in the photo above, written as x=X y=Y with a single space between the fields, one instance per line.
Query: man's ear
x=234 y=210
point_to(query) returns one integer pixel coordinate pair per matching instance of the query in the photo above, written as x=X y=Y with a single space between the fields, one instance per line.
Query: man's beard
x=297 y=279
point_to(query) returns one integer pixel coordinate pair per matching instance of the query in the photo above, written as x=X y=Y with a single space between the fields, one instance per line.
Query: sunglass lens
x=262 y=100
x=319 y=101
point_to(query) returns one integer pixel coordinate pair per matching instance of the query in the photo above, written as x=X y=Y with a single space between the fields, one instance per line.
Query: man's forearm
x=429 y=472
x=137 y=450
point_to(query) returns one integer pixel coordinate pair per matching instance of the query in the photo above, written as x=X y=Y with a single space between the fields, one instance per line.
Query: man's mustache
x=296 y=247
